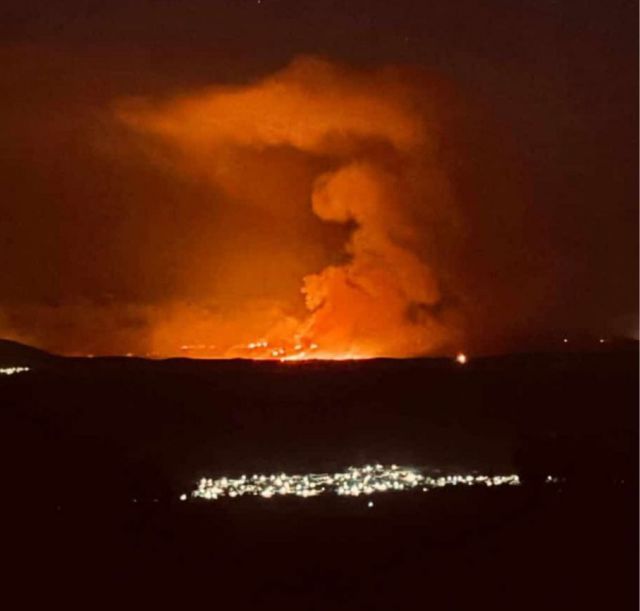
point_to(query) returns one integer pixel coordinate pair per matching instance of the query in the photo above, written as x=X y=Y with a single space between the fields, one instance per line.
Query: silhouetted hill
x=175 y=420
x=95 y=451
x=15 y=353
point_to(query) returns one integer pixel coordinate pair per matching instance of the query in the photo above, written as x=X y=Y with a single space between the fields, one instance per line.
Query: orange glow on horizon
x=264 y=351
x=359 y=158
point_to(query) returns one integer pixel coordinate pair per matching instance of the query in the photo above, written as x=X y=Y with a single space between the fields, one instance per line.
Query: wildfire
x=294 y=352
x=360 y=147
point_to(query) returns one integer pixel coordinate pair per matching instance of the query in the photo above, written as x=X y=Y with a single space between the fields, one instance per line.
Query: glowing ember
x=296 y=351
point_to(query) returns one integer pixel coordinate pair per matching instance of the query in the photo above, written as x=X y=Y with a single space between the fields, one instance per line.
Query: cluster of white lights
x=355 y=481
x=9 y=371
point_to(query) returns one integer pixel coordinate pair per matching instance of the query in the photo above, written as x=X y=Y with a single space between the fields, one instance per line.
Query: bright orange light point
x=461 y=358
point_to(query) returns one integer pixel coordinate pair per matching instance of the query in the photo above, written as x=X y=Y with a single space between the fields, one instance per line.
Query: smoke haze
x=362 y=148
x=449 y=181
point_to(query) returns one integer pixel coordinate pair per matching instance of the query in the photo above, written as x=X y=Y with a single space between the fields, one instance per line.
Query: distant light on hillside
x=9 y=371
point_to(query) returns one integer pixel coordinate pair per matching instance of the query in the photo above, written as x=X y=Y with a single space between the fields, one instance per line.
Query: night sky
x=101 y=237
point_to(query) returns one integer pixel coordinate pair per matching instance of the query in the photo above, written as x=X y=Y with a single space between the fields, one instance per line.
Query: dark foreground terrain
x=458 y=549
x=82 y=438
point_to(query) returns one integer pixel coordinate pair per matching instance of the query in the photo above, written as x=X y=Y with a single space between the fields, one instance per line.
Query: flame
x=298 y=351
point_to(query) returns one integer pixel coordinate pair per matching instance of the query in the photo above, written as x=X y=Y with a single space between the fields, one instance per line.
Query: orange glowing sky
x=379 y=179
x=362 y=143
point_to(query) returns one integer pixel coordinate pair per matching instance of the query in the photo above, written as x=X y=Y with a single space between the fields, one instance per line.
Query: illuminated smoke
x=368 y=143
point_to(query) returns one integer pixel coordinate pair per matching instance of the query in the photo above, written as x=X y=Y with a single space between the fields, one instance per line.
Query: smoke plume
x=364 y=146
